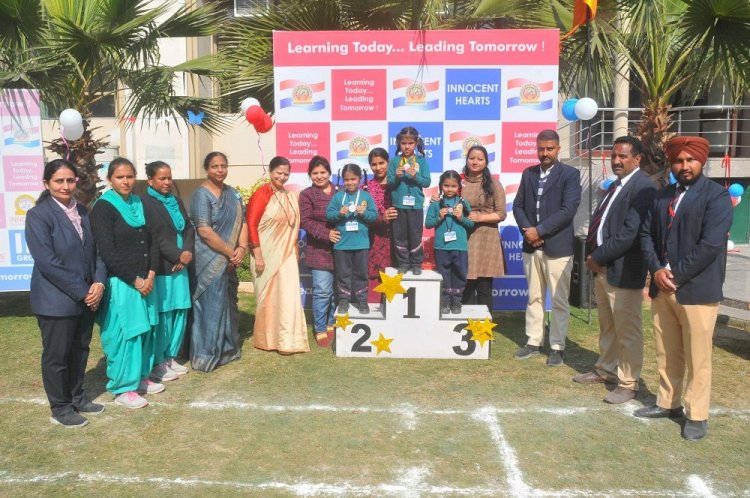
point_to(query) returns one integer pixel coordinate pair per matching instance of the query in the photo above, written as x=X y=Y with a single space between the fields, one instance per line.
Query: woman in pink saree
x=273 y=224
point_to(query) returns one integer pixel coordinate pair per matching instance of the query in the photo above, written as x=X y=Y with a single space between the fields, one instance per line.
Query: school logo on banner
x=472 y=94
x=304 y=96
x=531 y=95
x=20 y=136
x=416 y=95
x=354 y=146
x=461 y=141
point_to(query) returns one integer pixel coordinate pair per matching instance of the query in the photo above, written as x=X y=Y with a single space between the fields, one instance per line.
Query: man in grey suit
x=613 y=253
x=544 y=208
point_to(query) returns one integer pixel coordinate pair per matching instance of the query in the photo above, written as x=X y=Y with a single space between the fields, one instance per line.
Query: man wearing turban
x=684 y=238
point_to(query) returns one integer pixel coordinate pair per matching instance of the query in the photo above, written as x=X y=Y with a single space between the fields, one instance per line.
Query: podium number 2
x=465 y=339
x=358 y=346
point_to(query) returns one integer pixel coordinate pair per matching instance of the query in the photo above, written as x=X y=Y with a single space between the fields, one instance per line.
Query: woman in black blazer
x=67 y=285
x=173 y=232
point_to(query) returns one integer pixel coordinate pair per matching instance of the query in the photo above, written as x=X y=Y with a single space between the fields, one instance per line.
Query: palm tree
x=79 y=52
x=674 y=51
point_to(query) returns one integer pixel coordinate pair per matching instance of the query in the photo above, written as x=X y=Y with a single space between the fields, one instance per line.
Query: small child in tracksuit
x=450 y=220
x=351 y=210
x=408 y=174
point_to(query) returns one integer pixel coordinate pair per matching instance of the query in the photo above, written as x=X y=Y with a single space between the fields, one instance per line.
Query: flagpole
x=589 y=71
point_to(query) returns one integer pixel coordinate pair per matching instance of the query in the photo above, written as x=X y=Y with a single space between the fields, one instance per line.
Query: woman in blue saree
x=218 y=215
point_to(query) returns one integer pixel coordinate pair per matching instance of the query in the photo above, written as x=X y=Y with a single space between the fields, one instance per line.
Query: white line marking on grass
x=411 y=484
x=700 y=486
x=514 y=476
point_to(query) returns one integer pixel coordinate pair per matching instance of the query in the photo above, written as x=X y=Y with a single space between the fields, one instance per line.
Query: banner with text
x=21 y=179
x=340 y=94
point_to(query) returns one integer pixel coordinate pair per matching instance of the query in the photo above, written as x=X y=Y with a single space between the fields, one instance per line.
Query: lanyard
x=346 y=198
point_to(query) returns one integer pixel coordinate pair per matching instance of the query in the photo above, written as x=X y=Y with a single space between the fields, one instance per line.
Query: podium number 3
x=465 y=339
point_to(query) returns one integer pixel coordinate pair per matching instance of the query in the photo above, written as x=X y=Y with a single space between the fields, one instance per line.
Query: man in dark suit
x=545 y=205
x=613 y=253
x=684 y=238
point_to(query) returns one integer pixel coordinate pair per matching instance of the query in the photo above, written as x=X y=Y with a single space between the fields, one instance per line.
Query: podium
x=411 y=325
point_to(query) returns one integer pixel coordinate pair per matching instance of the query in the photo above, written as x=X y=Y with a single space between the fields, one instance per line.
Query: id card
x=408 y=200
x=449 y=236
x=352 y=226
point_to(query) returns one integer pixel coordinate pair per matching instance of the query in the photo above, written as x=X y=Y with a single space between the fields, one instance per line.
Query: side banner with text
x=21 y=179
x=340 y=94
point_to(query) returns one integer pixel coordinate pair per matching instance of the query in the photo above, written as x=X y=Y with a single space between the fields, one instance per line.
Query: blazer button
x=143 y=242
x=145 y=255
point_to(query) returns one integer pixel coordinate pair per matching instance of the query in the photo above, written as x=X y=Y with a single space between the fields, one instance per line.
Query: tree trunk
x=653 y=131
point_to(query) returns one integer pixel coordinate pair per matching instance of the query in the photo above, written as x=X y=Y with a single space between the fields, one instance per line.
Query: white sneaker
x=176 y=367
x=148 y=386
x=162 y=373
x=131 y=400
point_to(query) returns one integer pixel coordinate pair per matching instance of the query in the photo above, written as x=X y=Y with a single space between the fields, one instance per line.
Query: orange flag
x=581 y=14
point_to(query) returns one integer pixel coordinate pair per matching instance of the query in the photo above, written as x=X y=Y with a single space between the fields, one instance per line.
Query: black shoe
x=555 y=358
x=416 y=270
x=456 y=308
x=364 y=308
x=526 y=352
x=445 y=309
x=91 y=408
x=403 y=268
x=656 y=411
x=695 y=430
x=343 y=307
x=69 y=420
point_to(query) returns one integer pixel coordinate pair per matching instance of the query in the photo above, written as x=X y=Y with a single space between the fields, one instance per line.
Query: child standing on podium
x=450 y=219
x=351 y=210
x=408 y=174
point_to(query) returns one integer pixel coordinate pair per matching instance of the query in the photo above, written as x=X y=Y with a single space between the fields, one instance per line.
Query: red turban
x=697 y=147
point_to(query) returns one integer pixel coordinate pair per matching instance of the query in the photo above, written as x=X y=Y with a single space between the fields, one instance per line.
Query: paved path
x=737 y=287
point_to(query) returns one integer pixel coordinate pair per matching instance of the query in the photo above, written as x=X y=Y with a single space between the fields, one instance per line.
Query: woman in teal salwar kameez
x=173 y=232
x=218 y=214
x=128 y=310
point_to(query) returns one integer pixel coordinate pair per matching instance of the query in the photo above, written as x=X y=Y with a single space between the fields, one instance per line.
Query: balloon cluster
x=736 y=190
x=574 y=109
x=255 y=115
x=71 y=124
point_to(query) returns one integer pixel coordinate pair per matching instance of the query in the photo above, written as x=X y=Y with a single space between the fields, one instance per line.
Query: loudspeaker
x=580 y=277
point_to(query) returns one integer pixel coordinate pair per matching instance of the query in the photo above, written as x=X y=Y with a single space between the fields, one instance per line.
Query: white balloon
x=730 y=245
x=247 y=103
x=70 y=118
x=71 y=132
x=586 y=108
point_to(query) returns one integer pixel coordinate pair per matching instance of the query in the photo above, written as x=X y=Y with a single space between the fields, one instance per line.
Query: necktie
x=671 y=214
x=596 y=220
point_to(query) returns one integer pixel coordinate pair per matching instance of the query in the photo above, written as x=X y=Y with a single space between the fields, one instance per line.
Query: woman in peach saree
x=273 y=223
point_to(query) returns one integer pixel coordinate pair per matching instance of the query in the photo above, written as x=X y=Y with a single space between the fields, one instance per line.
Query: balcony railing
x=726 y=127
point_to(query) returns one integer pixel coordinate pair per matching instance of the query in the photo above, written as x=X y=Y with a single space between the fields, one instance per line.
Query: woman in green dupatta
x=217 y=212
x=175 y=236
x=128 y=311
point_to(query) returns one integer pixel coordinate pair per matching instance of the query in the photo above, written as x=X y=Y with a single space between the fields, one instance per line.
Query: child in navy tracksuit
x=351 y=210
x=450 y=220
x=408 y=174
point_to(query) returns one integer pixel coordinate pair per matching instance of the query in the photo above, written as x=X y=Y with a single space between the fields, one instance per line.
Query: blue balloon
x=606 y=183
x=672 y=179
x=569 y=110
x=735 y=190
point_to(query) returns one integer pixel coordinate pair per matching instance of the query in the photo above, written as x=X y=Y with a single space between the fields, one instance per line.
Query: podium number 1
x=411 y=305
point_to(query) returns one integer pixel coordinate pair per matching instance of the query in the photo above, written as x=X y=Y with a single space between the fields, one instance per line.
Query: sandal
x=322 y=339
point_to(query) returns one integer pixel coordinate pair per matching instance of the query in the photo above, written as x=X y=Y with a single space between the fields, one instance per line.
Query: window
x=249 y=7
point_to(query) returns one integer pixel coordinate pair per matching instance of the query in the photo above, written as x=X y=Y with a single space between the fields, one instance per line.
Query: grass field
x=313 y=424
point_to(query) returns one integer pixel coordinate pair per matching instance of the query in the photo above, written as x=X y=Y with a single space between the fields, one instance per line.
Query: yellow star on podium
x=390 y=286
x=382 y=344
x=481 y=331
x=343 y=321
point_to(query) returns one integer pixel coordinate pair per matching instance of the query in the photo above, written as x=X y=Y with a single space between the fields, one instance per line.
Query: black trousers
x=351 y=274
x=65 y=351
x=452 y=266
x=478 y=291
x=406 y=231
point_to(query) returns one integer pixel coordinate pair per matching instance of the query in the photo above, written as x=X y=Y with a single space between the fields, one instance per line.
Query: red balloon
x=254 y=115
x=265 y=126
